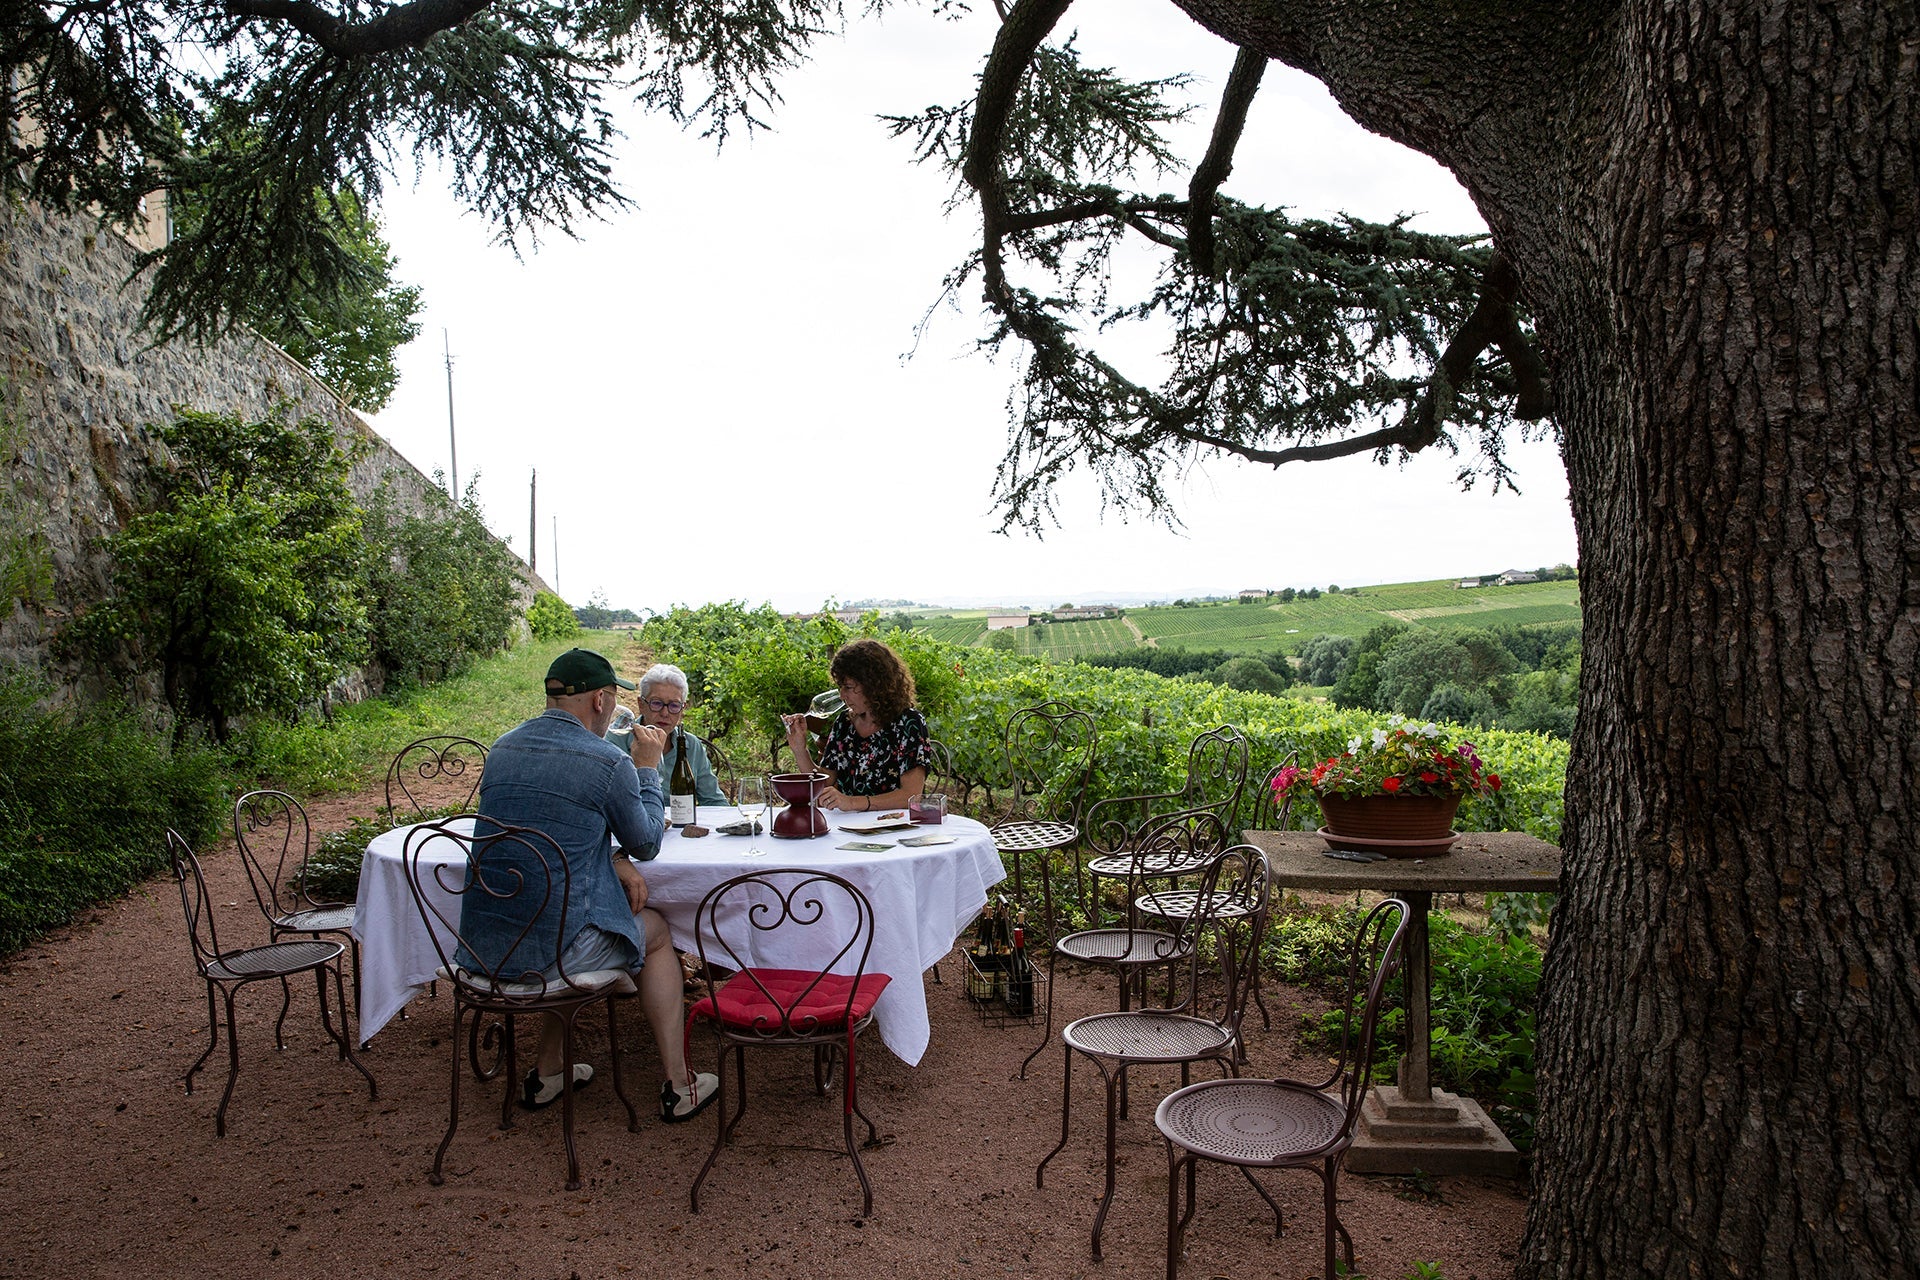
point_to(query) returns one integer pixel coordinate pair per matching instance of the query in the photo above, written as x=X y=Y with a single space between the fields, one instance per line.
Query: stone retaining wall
x=83 y=388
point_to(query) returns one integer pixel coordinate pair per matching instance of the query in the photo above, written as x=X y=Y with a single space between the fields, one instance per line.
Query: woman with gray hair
x=663 y=702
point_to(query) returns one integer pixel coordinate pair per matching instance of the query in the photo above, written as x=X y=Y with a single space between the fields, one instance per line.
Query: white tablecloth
x=922 y=899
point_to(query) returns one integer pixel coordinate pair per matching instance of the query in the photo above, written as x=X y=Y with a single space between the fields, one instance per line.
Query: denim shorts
x=593 y=949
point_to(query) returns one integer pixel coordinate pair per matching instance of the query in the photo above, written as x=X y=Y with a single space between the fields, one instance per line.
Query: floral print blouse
x=873 y=766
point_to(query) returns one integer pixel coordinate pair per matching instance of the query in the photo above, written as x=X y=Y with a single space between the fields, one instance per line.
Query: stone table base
x=1448 y=1135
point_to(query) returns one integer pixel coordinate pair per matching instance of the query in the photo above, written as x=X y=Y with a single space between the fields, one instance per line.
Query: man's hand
x=631 y=880
x=648 y=744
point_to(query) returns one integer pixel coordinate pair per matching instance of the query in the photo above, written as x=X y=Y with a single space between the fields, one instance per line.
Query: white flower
x=1396 y=720
x=1431 y=730
x=1353 y=743
x=1379 y=739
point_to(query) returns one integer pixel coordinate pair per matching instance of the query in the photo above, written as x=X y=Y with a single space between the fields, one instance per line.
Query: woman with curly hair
x=878 y=749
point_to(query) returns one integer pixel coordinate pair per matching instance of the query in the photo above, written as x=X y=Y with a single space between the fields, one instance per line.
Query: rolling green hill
x=1263 y=627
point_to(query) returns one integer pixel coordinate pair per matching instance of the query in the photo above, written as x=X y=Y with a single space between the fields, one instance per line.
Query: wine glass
x=750 y=797
x=623 y=720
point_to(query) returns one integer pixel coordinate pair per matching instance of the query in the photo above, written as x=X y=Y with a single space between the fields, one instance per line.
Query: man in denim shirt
x=558 y=774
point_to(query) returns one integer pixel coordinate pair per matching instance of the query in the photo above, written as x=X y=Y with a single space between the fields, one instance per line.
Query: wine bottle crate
x=985 y=988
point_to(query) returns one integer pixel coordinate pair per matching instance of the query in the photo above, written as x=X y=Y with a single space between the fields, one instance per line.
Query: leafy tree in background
x=441 y=590
x=1249 y=675
x=1323 y=657
x=1358 y=686
x=1729 y=374
x=244 y=587
x=348 y=338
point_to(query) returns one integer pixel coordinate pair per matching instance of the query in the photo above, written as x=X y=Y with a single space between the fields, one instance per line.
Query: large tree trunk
x=1713 y=210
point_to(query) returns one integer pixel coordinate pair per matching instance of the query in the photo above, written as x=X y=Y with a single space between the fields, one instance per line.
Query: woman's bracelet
x=869 y=808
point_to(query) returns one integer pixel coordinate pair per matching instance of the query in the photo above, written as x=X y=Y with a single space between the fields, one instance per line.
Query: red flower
x=1390 y=785
x=1429 y=778
x=1493 y=780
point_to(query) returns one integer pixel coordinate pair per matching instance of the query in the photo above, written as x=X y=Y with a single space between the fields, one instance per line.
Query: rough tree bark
x=1712 y=209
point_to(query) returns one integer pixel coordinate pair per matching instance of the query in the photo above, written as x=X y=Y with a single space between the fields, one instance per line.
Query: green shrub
x=551 y=618
x=86 y=796
x=443 y=593
x=244 y=587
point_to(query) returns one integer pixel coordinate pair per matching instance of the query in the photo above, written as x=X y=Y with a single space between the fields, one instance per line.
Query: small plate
x=1392 y=848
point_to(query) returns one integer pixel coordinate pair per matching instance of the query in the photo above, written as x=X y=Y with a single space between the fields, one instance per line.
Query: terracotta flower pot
x=1394 y=822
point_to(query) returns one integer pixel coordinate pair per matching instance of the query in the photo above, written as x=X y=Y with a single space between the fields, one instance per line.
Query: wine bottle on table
x=680 y=790
x=1019 y=975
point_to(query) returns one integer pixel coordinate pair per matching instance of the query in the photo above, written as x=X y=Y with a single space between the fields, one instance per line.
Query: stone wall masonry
x=83 y=390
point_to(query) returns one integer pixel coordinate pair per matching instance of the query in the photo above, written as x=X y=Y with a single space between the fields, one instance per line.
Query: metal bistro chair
x=1050 y=750
x=230 y=970
x=816 y=1009
x=469 y=863
x=276 y=842
x=1287 y=1124
x=1190 y=841
x=1216 y=775
x=1232 y=904
x=425 y=760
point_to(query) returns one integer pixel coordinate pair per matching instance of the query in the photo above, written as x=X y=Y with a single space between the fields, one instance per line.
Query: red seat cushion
x=744 y=1005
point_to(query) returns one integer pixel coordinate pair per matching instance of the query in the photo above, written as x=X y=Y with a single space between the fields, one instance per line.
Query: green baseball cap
x=581 y=671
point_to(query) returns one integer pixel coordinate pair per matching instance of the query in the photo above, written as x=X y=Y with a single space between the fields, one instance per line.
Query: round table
x=922 y=899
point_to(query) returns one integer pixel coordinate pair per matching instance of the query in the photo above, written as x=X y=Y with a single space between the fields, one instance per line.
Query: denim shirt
x=553 y=774
x=706 y=787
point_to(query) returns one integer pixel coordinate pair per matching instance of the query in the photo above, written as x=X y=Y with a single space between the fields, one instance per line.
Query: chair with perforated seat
x=230 y=970
x=1287 y=1124
x=1216 y=777
x=1233 y=908
x=276 y=844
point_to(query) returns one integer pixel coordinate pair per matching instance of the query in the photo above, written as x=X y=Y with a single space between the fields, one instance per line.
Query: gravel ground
x=108 y=1168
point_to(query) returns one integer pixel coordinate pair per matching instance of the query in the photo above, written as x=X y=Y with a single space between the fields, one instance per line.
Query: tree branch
x=1016 y=222
x=1214 y=167
x=402 y=27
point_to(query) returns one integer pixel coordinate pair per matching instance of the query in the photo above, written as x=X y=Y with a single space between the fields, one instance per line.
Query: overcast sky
x=715 y=391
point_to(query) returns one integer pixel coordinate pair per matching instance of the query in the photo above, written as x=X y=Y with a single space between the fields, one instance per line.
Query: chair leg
x=1332 y=1180
x=1046 y=1031
x=740 y=1074
x=1175 y=1223
x=1279 y=1222
x=1333 y=1218
x=340 y=1038
x=1066 y=1105
x=453 y=1098
x=613 y=1059
x=286 y=1001
x=720 y=1127
x=853 y=1152
x=1113 y=1079
x=511 y=1056
x=213 y=1039
x=233 y=1064
x=566 y=1097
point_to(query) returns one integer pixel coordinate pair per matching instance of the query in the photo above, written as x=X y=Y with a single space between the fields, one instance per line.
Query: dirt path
x=108 y=1168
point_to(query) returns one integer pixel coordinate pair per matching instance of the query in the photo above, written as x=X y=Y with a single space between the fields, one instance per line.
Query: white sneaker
x=683 y=1102
x=536 y=1091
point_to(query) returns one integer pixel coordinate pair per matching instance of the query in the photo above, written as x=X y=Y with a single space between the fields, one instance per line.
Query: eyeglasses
x=666 y=707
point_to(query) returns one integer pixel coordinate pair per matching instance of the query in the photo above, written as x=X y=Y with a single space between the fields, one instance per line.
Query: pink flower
x=1284 y=780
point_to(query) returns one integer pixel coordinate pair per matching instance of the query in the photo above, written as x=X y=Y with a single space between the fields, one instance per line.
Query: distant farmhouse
x=1255 y=593
x=1084 y=613
x=1007 y=621
x=1467 y=584
x=1513 y=576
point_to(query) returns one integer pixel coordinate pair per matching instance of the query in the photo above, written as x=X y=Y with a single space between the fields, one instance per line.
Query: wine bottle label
x=681 y=810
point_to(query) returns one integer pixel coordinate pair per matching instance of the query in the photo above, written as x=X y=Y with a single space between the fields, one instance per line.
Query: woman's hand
x=796 y=733
x=834 y=798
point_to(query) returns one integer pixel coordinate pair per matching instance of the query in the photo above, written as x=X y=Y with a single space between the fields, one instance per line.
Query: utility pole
x=453 y=451
x=533 y=521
